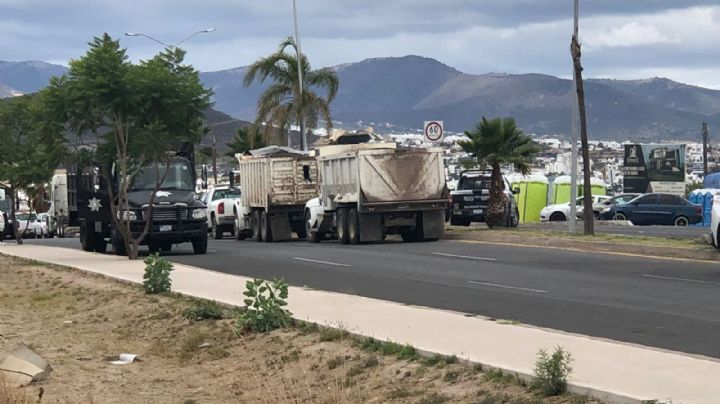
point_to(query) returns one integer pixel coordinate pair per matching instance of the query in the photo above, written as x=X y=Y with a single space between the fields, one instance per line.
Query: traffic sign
x=434 y=130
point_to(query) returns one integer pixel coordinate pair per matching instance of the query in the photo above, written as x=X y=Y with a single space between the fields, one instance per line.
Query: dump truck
x=276 y=183
x=371 y=190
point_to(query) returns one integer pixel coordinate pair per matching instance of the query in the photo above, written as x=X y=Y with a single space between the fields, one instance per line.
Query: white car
x=220 y=201
x=715 y=231
x=28 y=224
x=561 y=211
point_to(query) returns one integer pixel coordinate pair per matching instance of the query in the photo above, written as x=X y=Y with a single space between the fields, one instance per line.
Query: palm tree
x=496 y=143
x=245 y=139
x=281 y=104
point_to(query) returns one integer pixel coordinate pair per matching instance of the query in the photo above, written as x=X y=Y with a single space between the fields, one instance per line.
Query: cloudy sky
x=678 y=39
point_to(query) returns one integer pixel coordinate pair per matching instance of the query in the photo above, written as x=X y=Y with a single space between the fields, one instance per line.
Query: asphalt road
x=662 y=303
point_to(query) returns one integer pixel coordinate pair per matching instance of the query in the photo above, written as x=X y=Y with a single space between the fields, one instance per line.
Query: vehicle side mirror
x=516 y=190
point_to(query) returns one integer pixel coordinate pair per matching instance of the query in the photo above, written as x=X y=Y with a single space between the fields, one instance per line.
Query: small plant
x=157 y=274
x=551 y=372
x=265 y=306
x=203 y=309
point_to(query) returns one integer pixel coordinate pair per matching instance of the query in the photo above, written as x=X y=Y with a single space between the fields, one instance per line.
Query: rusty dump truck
x=274 y=189
x=368 y=191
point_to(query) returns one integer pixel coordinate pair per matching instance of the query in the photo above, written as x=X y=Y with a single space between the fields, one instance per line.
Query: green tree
x=131 y=115
x=247 y=138
x=282 y=104
x=30 y=149
x=496 y=143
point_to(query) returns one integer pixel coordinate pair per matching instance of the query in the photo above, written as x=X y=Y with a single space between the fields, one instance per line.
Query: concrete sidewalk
x=610 y=371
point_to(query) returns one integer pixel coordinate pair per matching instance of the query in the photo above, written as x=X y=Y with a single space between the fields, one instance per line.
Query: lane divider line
x=322 y=262
x=469 y=257
x=670 y=278
x=495 y=285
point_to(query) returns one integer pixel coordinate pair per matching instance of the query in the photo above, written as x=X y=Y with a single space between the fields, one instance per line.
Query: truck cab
x=469 y=202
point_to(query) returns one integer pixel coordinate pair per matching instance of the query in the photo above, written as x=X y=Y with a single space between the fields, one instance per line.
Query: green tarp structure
x=560 y=192
x=532 y=197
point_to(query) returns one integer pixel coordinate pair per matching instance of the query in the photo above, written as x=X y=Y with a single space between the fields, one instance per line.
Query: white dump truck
x=370 y=190
x=276 y=184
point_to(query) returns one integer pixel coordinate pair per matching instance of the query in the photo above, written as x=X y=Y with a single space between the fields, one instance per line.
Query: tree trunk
x=496 y=204
x=588 y=218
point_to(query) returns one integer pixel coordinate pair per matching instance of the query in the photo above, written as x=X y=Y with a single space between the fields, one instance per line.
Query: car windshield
x=226 y=193
x=179 y=176
x=474 y=183
x=25 y=216
x=5 y=205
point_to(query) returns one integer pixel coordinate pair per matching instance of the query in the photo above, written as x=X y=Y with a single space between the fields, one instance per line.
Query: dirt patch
x=77 y=322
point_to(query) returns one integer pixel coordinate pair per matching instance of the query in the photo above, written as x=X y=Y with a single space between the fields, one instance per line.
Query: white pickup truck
x=220 y=201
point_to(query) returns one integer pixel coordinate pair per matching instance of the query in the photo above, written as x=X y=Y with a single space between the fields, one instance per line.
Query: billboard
x=654 y=168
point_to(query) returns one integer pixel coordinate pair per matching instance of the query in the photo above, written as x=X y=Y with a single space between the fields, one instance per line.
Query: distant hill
x=405 y=91
x=401 y=92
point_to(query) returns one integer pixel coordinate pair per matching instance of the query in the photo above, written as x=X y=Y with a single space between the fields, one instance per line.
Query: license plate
x=165 y=227
x=469 y=198
x=477 y=211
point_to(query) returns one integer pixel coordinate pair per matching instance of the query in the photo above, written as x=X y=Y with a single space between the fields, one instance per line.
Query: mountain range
x=399 y=93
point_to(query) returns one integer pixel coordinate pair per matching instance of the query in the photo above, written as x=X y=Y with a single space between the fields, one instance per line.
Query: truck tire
x=312 y=236
x=166 y=247
x=342 y=226
x=215 y=229
x=265 y=229
x=153 y=247
x=118 y=243
x=100 y=243
x=200 y=244
x=257 y=234
x=353 y=226
x=87 y=238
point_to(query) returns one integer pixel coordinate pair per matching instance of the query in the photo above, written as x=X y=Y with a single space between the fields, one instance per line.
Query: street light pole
x=168 y=46
x=573 y=139
x=303 y=137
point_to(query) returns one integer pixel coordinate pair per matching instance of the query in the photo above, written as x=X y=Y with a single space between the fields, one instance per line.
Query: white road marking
x=322 y=262
x=469 y=257
x=670 y=278
x=495 y=285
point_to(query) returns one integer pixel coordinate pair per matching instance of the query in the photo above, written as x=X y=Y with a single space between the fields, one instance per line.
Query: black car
x=656 y=209
x=469 y=202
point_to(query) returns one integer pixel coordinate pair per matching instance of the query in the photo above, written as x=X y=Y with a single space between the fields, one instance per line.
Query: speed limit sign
x=434 y=130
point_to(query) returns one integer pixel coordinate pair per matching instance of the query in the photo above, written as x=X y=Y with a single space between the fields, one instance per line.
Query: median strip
x=496 y=285
x=670 y=278
x=337 y=264
x=469 y=257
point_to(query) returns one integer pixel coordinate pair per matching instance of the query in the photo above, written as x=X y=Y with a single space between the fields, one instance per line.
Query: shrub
x=551 y=372
x=203 y=310
x=264 y=306
x=157 y=274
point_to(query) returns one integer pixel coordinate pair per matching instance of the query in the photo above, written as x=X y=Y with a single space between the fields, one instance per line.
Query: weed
x=439 y=360
x=333 y=363
x=399 y=392
x=354 y=371
x=191 y=344
x=433 y=398
x=388 y=348
x=157 y=274
x=451 y=376
x=551 y=372
x=332 y=334
x=371 y=362
x=497 y=375
x=203 y=309
x=264 y=306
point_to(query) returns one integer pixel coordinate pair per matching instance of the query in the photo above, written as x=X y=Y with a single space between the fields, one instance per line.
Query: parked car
x=220 y=201
x=561 y=211
x=28 y=224
x=606 y=203
x=469 y=202
x=44 y=220
x=656 y=209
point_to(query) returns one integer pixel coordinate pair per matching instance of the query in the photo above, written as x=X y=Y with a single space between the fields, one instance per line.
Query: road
x=647 y=231
x=663 y=303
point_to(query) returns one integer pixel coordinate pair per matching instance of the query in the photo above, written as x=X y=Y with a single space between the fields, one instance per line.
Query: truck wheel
x=216 y=232
x=100 y=243
x=118 y=243
x=257 y=234
x=456 y=221
x=353 y=226
x=166 y=247
x=313 y=237
x=342 y=226
x=200 y=244
x=265 y=229
x=153 y=247
x=87 y=238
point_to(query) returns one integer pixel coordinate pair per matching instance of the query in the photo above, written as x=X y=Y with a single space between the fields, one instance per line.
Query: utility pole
x=705 y=149
x=572 y=228
x=303 y=136
x=588 y=218
x=214 y=158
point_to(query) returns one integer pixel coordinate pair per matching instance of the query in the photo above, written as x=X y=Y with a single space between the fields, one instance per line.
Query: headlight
x=127 y=215
x=199 y=214
x=606 y=209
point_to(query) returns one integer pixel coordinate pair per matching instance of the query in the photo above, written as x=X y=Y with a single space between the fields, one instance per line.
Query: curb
x=697 y=254
x=524 y=377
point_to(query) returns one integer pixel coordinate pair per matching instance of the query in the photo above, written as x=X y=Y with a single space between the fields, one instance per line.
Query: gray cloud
x=621 y=37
